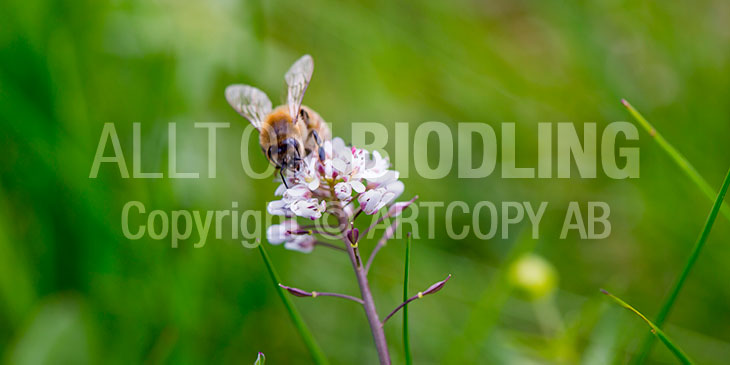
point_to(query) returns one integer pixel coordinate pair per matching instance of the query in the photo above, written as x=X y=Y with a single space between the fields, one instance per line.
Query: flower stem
x=382 y=242
x=329 y=245
x=313 y=294
x=432 y=289
x=669 y=302
x=376 y=328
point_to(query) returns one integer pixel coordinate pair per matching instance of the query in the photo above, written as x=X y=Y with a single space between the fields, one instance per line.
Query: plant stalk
x=376 y=328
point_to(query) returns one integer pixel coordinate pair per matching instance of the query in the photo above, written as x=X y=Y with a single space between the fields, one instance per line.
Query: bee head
x=286 y=155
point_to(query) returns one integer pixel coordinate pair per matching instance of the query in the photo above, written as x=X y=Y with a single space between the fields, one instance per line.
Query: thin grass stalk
x=669 y=302
x=678 y=158
x=314 y=350
x=681 y=355
x=406 y=341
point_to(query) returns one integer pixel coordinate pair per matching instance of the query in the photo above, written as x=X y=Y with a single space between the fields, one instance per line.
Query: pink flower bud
x=296 y=292
x=353 y=235
x=436 y=287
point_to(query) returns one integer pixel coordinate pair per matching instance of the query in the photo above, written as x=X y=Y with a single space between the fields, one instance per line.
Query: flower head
x=346 y=174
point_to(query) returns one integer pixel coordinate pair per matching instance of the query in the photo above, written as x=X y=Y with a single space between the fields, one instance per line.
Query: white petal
x=276 y=234
x=280 y=190
x=357 y=186
x=314 y=184
x=386 y=199
x=295 y=193
x=370 y=200
x=309 y=208
x=343 y=191
x=398 y=208
x=340 y=166
x=396 y=188
x=302 y=243
x=278 y=207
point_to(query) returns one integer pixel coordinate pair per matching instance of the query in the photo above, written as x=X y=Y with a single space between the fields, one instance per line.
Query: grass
x=678 y=158
x=314 y=350
x=681 y=356
x=406 y=341
x=674 y=293
x=717 y=206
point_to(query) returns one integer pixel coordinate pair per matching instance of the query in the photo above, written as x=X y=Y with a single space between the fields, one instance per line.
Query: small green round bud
x=533 y=276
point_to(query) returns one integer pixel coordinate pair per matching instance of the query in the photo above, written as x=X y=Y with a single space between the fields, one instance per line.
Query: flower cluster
x=347 y=174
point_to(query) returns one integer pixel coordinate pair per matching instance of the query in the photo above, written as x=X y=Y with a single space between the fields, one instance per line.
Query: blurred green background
x=74 y=290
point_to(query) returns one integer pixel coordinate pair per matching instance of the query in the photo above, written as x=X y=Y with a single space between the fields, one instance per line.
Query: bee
x=289 y=132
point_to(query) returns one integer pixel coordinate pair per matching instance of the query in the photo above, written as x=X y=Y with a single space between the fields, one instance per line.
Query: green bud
x=533 y=276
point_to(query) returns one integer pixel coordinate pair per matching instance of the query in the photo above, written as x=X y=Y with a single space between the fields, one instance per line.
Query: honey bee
x=289 y=132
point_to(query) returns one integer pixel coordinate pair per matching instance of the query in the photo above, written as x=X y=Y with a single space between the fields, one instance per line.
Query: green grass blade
x=654 y=329
x=406 y=341
x=669 y=302
x=678 y=158
x=309 y=341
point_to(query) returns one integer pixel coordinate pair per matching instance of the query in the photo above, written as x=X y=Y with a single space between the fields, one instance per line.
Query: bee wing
x=297 y=80
x=250 y=102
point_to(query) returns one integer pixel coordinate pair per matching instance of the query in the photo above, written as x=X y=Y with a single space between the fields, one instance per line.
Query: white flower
x=344 y=171
x=389 y=181
x=343 y=191
x=309 y=174
x=397 y=208
x=279 y=207
x=372 y=200
x=349 y=163
x=302 y=243
x=395 y=187
x=376 y=168
x=294 y=201
x=288 y=233
x=295 y=193
x=279 y=233
x=309 y=208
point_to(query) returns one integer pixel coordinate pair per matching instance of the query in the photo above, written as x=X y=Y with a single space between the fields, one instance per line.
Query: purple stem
x=368 y=303
x=383 y=240
x=303 y=293
x=431 y=290
x=327 y=244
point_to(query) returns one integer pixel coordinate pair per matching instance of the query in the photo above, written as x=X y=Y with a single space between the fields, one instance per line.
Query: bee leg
x=318 y=141
x=283 y=179
x=305 y=116
x=281 y=169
